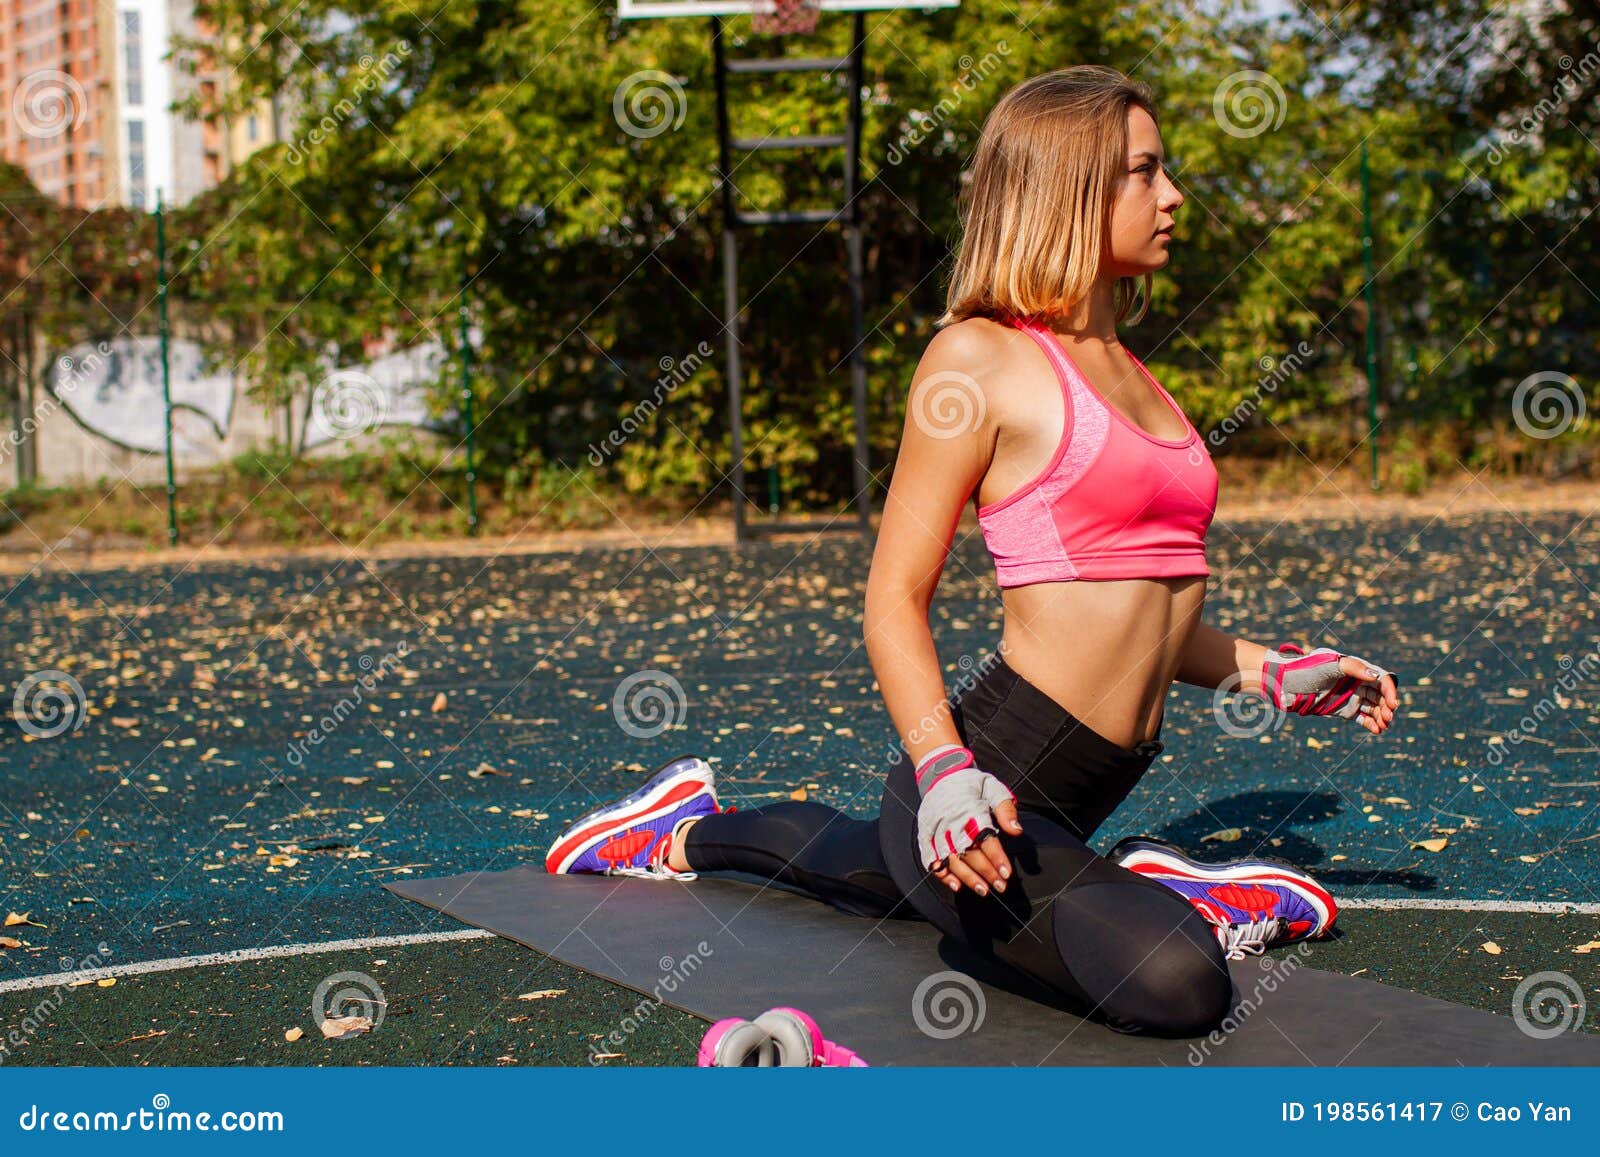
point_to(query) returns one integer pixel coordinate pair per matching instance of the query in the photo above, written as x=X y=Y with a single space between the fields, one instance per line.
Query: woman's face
x=1142 y=214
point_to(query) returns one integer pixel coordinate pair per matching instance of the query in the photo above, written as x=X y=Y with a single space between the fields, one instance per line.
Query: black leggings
x=1120 y=947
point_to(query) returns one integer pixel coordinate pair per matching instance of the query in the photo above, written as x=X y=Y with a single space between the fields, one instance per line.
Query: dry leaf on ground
x=341 y=1027
x=541 y=994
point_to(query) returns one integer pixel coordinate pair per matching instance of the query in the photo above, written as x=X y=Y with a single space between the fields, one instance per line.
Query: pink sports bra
x=1115 y=502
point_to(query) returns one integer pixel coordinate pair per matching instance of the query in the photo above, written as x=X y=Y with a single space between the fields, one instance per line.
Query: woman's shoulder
x=972 y=345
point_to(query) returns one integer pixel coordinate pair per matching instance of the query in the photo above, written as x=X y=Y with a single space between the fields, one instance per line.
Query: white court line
x=1556 y=907
x=240 y=956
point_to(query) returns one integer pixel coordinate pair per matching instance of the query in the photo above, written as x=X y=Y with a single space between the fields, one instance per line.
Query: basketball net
x=786 y=18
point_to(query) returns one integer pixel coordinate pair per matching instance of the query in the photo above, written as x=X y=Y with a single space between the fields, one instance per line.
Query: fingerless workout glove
x=1310 y=682
x=957 y=806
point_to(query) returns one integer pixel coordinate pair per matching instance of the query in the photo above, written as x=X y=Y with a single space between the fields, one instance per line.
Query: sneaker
x=633 y=835
x=1253 y=904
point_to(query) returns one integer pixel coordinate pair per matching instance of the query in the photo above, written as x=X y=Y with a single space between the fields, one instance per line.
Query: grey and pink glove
x=1311 y=683
x=958 y=802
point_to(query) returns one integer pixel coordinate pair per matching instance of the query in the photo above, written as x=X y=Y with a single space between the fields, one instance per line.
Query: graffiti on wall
x=113 y=389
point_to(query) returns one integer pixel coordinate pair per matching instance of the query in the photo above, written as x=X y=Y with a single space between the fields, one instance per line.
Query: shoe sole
x=1161 y=860
x=661 y=794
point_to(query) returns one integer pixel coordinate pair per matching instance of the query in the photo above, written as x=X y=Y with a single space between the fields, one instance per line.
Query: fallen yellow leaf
x=440 y=702
x=106 y=981
x=294 y=1034
x=1491 y=948
x=1589 y=947
x=339 y=1027
x=798 y=793
x=1225 y=836
x=8 y=942
x=541 y=994
x=12 y=920
x=1437 y=845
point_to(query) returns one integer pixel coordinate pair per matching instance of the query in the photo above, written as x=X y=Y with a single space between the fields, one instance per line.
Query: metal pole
x=852 y=234
x=1371 y=294
x=467 y=411
x=166 y=367
x=730 y=285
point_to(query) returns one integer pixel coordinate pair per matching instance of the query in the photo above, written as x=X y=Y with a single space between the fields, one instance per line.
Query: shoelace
x=1241 y=940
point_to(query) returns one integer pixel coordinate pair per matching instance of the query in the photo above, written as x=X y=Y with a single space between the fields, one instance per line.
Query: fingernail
x=982 y=891
x=1005 y=872
x=999 y=885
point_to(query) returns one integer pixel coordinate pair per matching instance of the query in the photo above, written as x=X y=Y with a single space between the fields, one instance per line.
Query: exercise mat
x=900 y=993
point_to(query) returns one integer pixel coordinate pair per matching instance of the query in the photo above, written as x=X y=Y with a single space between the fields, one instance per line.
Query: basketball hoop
x=786 y=18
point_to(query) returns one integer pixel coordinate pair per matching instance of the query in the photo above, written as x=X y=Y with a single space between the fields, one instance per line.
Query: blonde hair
x=1036 y=209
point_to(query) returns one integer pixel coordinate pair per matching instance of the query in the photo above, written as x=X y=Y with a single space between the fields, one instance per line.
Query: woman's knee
x=1148 y=960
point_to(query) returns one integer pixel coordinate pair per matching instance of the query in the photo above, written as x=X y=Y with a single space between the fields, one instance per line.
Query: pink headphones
x=781 y=1037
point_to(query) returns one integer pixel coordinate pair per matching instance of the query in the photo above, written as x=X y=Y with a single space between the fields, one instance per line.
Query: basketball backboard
x=638 y=9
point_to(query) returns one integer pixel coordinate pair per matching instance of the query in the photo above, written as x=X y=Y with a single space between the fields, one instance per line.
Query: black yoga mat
x=900 y=993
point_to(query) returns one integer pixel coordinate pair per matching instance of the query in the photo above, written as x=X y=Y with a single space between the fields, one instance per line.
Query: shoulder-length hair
x=1036 y=206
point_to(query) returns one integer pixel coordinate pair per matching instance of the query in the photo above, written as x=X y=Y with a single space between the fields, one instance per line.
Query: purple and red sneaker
x=1253 y=904
x=633 y=835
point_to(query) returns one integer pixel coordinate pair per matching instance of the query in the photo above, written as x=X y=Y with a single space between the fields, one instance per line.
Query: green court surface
x=230 y=790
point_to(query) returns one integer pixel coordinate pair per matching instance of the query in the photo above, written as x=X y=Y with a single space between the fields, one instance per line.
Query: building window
x=132 y=57
x=136 y=164
x=252 y=129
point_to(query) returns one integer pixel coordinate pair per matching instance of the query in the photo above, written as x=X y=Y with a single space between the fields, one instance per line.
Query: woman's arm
x=1213 y=659
x=945 y=449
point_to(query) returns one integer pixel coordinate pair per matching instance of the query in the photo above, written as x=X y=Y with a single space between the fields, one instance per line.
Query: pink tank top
x=1115 y=502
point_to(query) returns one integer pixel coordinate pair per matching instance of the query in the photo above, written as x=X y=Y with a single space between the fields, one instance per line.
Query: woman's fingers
x=962 y=870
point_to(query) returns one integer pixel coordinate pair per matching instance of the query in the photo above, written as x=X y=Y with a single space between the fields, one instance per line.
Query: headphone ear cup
x=743 y=1045
x=794 y=1034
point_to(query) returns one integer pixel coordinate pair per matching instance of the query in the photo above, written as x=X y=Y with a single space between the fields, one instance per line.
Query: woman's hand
x=956 y=821
x=1325 y=682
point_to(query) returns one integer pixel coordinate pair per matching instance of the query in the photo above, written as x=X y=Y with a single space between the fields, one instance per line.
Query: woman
x=1094 y=494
